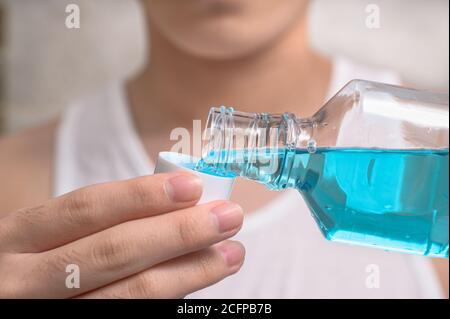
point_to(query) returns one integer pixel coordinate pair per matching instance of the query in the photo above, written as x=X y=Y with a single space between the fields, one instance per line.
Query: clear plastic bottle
x=372 y=163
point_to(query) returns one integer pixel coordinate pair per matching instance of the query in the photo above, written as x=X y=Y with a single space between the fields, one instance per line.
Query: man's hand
x=141 y=238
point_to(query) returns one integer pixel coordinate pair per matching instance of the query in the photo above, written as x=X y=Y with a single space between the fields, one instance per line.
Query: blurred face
x=223 y=29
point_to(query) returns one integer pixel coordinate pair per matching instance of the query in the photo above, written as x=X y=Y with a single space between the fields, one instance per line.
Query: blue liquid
x=392 y=199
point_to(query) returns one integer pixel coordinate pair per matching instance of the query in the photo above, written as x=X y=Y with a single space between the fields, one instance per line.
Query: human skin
x=250 y=54
x=141 y=238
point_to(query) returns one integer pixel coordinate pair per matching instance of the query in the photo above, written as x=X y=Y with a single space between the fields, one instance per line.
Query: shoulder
x=25 y=170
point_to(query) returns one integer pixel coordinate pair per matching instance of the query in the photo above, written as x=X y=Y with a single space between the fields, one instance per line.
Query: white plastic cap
x=214 y=187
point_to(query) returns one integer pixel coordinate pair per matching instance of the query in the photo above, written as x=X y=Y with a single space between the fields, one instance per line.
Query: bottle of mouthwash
x=371 y=164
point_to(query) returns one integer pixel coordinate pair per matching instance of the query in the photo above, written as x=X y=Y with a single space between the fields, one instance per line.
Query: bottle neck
x=243 y=144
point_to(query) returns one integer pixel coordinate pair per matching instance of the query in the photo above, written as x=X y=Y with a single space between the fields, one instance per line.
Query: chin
x=223 y=29
x=219 y=48
x=222 y=41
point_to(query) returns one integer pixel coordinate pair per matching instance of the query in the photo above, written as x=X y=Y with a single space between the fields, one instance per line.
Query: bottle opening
x=242 y=143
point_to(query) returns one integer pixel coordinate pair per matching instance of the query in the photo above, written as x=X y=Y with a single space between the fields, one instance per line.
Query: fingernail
x=184 y=188
x=229 y=216
x=233 y=252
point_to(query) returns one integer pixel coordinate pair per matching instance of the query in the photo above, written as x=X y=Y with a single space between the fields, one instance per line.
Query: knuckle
x=77 y=201
x=143 y=286
x=140 y=191
x=53 y=265
x=187 y=231
x=29 y=216
x=78 y=208
x=111 y=254
x=206 y=267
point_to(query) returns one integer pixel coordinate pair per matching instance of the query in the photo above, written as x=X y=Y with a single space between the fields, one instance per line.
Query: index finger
x=95 y=208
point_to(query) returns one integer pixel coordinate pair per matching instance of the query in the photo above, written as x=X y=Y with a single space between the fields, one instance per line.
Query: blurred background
x=44 y=65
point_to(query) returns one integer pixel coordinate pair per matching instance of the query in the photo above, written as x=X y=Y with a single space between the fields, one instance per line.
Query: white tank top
x=287 y=257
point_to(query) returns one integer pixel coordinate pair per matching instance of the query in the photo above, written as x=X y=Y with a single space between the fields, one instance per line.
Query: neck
x=176 y=87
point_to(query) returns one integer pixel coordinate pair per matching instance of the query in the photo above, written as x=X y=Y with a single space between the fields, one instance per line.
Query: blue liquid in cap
x=391 y=199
